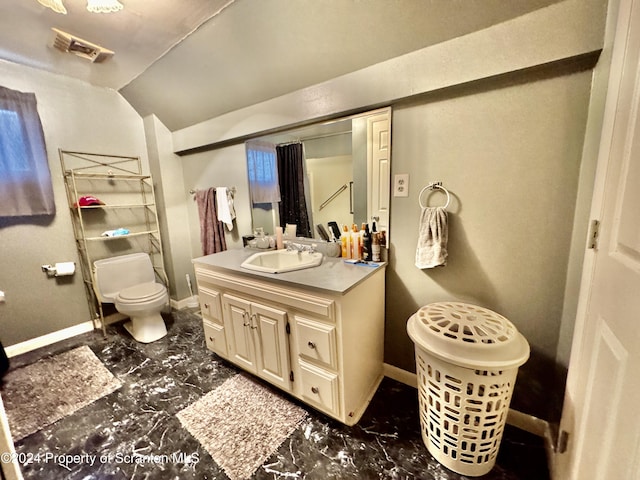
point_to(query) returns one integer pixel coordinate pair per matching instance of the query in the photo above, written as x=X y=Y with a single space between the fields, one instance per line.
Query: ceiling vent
x=66 y=42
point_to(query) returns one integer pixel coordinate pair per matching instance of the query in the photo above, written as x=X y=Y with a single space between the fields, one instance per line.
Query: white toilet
x=129 y=282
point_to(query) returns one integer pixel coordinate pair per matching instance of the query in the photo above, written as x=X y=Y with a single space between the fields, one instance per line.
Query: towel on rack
x=432 y=238
x=211 y=229
x=226 y=210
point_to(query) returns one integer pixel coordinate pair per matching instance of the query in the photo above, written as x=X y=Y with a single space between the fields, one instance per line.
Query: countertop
x=333 y=275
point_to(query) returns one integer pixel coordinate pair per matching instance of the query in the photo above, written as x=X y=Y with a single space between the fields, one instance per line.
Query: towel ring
x=431 y=186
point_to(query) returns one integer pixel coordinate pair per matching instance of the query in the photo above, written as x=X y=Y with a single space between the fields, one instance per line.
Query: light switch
x=1 y=296
x=401 y=185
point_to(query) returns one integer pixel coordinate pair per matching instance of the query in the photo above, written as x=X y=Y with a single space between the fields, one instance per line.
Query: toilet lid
x=142 y=292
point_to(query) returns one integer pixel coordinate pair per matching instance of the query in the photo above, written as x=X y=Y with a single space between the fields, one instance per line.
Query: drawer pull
x=311 y=345
x=315 y=390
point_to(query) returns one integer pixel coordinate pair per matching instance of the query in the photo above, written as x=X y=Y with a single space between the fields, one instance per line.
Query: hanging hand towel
x=211 y=229
x=432 y=238
x=226 y=211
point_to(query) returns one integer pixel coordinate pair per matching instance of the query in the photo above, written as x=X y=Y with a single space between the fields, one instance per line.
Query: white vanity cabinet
x=257 y=339
x=323 y=346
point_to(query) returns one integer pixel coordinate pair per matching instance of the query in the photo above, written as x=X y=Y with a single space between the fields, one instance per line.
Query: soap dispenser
x=262 y=241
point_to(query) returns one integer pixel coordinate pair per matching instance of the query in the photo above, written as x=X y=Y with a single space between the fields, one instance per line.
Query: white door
x=602 y=403
x=379 y=169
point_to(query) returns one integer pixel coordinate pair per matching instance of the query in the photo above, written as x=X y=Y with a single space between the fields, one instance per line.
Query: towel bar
x=433 y=186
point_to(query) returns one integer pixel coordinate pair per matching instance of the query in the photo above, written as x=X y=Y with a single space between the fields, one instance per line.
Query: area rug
x=39 y=394
x=241 y=424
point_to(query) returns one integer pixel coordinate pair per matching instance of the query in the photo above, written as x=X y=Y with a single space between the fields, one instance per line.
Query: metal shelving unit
x=129 y=202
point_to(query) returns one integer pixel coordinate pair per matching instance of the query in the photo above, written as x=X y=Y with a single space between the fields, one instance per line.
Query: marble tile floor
x=162 y=378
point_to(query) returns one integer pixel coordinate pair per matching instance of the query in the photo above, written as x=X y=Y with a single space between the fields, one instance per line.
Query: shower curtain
x=293 y=201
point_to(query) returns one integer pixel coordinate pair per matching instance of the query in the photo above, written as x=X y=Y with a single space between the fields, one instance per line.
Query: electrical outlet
x=401 y=185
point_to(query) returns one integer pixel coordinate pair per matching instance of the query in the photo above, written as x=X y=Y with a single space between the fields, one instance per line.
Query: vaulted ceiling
x=188 y=61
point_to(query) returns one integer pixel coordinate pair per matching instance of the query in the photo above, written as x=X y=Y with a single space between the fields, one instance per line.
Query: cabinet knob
x=206 y=305
x=315 y=390
x=311 y=345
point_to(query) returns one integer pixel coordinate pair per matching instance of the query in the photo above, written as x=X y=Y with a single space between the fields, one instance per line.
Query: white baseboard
x=400 y=375
x=189 y=302
x=48 y=339
x=53 y=337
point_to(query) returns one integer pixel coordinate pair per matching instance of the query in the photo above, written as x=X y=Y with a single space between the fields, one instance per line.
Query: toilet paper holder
x=60 y=269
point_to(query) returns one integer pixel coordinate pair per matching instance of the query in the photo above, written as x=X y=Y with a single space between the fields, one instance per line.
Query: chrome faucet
x=298 y=247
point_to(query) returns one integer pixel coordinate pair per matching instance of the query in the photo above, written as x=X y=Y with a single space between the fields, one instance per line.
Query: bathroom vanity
x=315 y=333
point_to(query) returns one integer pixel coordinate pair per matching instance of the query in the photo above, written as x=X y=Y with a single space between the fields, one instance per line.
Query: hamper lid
x=468 y=335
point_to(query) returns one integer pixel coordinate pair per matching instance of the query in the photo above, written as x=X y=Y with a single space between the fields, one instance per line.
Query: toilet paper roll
x=65 y=268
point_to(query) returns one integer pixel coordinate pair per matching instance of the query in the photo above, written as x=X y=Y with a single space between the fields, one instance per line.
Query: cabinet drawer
x=316 y=341
x=320 y=387
x=210 y=305
x=215 y=338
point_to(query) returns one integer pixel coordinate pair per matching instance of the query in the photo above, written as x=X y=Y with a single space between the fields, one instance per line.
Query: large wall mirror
x=347 y=167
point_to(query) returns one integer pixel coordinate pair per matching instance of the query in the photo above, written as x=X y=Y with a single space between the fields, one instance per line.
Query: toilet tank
x=117 y=273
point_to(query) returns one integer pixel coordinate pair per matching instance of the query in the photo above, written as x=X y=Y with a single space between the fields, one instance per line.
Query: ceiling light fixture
x=103 y=6
x=55 y=5
x=94 y=6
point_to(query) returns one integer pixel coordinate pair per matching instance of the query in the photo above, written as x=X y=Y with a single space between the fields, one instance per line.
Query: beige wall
x=171 y=197
x=502 y=124
x=498 y=116
x=75 y=116
x=507 y=144
x=510 y=157
x=220 y=168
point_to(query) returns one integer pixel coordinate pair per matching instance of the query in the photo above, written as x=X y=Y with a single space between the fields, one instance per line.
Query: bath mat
x=37 y=395
x=241 y=424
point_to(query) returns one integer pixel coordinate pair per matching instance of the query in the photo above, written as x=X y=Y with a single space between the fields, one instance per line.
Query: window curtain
x=262 y=171
x=291 y=175
x=25 y=177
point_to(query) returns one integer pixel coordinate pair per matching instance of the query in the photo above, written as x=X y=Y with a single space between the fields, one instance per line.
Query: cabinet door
x=238 y=324
x=215 y=338
x=210 y=304
x=272 y=353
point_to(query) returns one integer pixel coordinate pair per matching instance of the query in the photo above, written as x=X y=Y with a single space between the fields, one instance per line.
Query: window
x=25 y=178
x=262 y=168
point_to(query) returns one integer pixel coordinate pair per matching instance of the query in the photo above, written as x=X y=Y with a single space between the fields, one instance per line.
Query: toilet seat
x=144 y=292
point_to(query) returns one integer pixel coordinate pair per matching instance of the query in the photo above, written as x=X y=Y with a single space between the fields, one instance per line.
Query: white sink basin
x=279 y=261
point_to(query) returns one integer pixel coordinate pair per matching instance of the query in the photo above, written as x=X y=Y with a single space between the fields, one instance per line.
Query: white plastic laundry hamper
x=467 y=359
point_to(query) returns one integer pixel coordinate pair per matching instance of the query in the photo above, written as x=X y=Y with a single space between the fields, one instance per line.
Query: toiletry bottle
x=382 y=237
x=345 y=240
x=366 y=244
x=356 y=252
x=375 y=246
